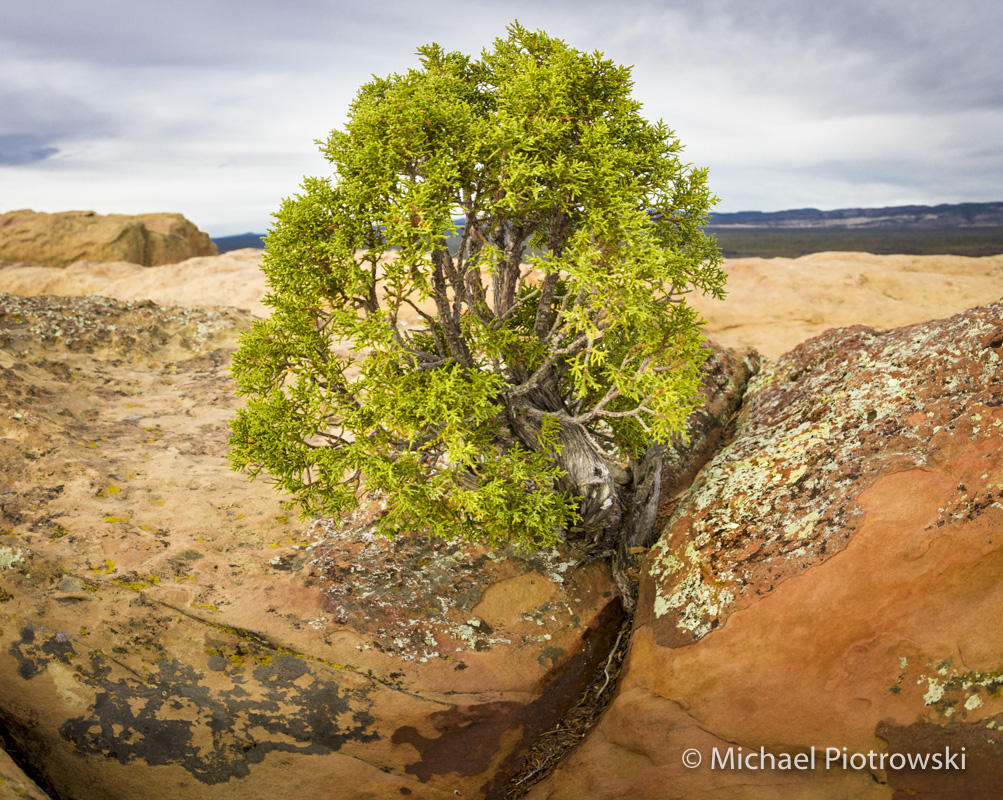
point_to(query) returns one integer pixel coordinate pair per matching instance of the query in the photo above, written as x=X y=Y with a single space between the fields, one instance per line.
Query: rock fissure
x=31 y=783
x=774 y=616
x=709 y=430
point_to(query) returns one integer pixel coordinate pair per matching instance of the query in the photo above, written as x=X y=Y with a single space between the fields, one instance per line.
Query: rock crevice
x=828 y=581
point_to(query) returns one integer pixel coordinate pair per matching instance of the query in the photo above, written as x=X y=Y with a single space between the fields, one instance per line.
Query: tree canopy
x=544 y=235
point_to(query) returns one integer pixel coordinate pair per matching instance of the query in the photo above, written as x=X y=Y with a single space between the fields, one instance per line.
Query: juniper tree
x=545 y=234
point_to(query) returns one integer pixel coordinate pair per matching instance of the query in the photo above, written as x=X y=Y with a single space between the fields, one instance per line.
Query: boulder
x=830 y=581
x=58 y=240
x=167 y=630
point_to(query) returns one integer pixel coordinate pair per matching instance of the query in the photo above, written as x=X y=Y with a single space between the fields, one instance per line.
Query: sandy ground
x=772 y=304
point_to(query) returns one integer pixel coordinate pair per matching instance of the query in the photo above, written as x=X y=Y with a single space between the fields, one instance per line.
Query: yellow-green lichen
x=803 y=527
x=58 y=531
x=138 y=583
x=950 y=691
x=694 y=598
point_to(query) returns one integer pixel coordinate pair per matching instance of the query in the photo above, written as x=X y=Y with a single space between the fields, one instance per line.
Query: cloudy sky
x=211 y=108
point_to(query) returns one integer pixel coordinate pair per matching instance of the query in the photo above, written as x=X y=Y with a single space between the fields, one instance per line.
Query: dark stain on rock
x=165 y=718
x=551 y=654
x=979 y=779
x=468 y=739
x=33 y=653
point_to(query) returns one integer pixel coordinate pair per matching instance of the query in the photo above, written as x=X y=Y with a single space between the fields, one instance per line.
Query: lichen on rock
x=831 y=580
x=817 y=426
x=167 y=627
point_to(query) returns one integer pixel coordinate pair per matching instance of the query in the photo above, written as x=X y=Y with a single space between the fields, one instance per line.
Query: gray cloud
x=17 y=149
x=788 y=103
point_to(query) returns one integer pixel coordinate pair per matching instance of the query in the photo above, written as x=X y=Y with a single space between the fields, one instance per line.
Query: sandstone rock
x=58 y=240
x=725 y=377
x=832 y=579
x=773 y=304
x=167 y=630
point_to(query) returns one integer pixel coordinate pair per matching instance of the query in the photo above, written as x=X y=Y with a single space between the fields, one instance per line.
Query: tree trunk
x=639 y=522
x=618 y=506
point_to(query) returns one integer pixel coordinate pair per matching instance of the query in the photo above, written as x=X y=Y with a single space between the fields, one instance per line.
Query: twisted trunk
x=617 y=505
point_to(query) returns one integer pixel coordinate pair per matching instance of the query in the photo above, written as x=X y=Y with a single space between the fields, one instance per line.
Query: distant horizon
x=264 y=231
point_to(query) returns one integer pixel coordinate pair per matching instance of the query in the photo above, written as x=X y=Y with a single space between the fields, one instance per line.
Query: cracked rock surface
x=832 y=579
x=167 y=629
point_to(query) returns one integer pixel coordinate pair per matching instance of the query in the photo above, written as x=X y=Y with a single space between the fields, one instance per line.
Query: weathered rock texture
x=230 y=280
x=726 y=375
x=832 y=579
x=58 y=240
x=167 y=631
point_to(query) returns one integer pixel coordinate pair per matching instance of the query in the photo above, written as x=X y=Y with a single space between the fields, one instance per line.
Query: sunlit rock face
x=831 y=580
x=58 y=240
x=168 y=629
x=774 y=304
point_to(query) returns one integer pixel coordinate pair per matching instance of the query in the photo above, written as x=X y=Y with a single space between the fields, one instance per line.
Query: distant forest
x=964 y=229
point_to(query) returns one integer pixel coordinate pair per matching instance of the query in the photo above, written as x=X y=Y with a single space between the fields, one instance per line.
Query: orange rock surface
x=167 y=629
x=832 y=580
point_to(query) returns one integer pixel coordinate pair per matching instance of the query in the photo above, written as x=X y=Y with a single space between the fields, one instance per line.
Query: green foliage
x=540 y=149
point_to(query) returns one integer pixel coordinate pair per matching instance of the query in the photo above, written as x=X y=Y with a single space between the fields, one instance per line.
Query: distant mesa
x=224 y=244
x=60 y=239
x=962 y=229
x=957 y=215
